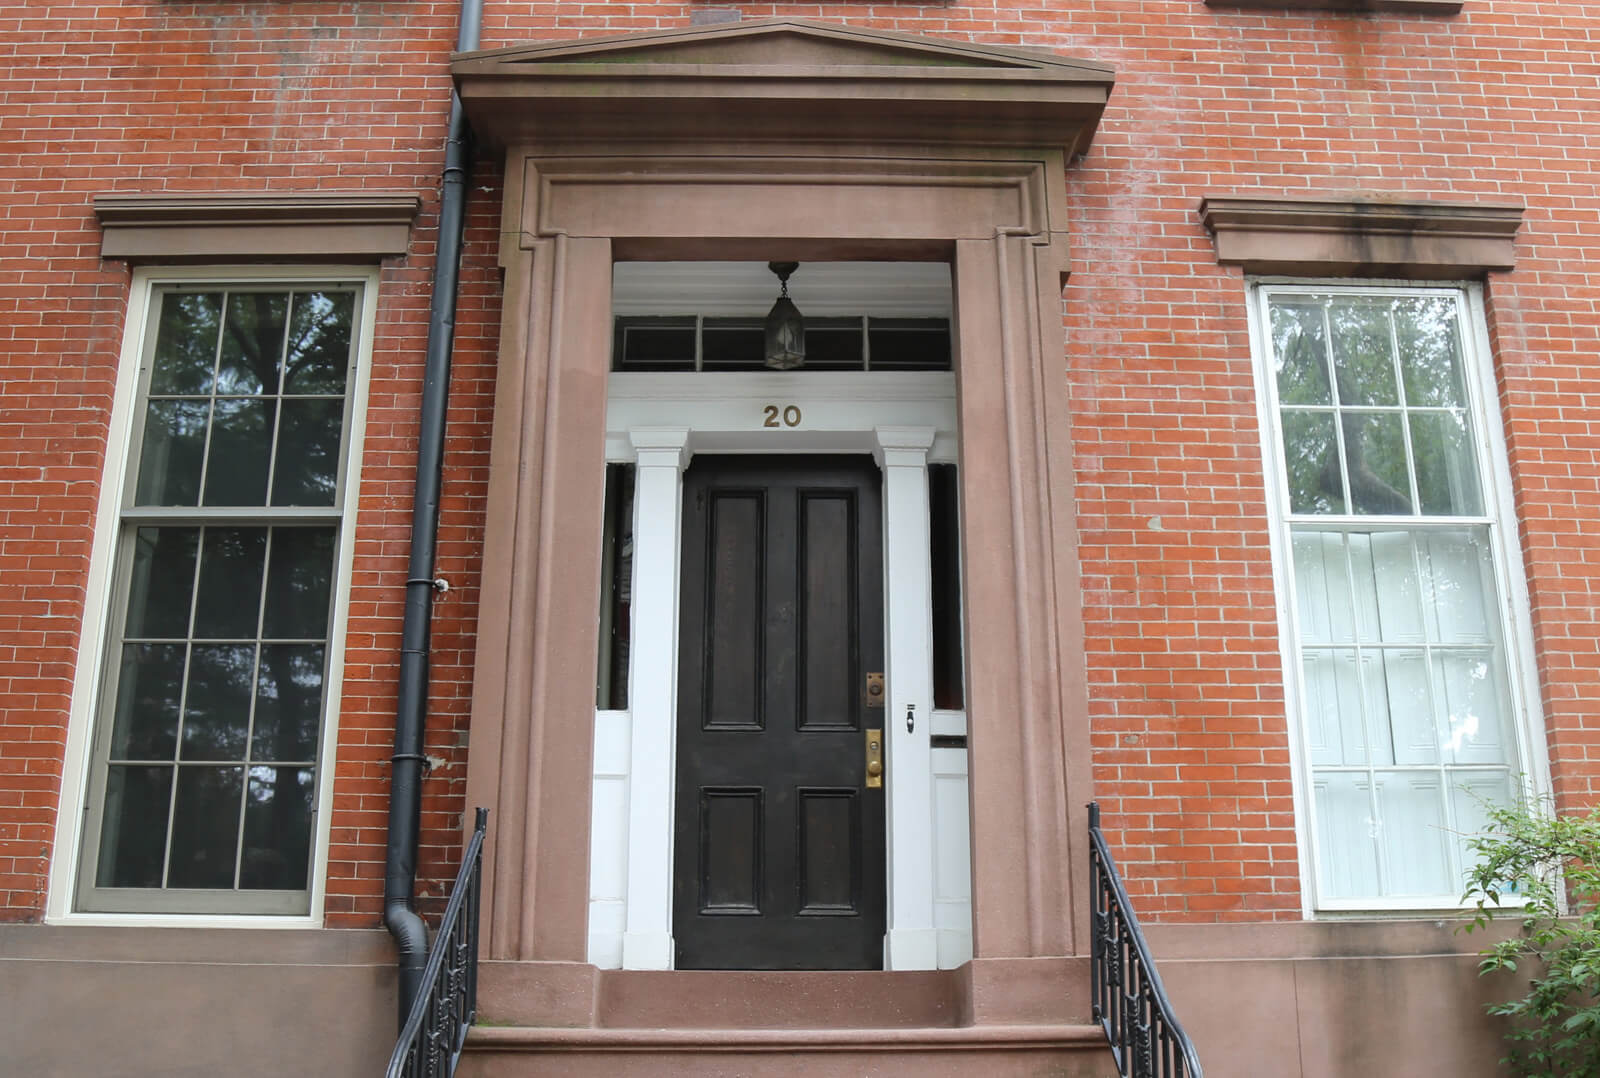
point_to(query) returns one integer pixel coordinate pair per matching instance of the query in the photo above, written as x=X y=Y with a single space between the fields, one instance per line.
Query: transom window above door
x=697 y=343
x=711 y=316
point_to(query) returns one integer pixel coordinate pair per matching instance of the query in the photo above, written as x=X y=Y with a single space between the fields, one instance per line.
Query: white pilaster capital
x=903 y=447
x=660 y=447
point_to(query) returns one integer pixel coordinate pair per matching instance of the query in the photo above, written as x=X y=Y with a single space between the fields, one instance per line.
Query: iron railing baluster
x=435 y=1032
x=1129 y=1000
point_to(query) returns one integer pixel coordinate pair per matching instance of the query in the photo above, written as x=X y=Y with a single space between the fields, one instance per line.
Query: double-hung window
x=1401 y=630
x=212 y=706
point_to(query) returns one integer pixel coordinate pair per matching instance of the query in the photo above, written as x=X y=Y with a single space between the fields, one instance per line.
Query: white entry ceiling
x=747 y=289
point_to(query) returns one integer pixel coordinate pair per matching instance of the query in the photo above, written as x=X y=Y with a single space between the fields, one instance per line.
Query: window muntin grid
x=1373 y=416
x=203 y=792
x=245 y=399
x=1407 y=700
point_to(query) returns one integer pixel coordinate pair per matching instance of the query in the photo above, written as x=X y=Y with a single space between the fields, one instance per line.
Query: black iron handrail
x=1129 y=1001
x=436 y=1029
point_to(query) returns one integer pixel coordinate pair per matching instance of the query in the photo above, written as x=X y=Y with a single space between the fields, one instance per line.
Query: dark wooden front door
x=779 y=844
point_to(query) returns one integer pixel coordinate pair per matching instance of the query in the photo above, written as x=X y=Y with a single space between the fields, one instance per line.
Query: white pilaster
x=661 y=455
x=902 y=452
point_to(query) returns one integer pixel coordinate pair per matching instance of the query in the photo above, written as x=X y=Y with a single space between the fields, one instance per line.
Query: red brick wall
x=160 y=97
x=1191 y=751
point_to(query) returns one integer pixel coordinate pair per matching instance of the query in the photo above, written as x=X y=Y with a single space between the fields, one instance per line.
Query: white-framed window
x=210 y=702
x=1404 y=615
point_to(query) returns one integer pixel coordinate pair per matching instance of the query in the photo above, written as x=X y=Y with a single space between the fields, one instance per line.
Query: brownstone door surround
x=997 y=214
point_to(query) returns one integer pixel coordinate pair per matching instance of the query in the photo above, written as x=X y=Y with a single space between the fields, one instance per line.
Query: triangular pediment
x=781 y=79
x=780 y=44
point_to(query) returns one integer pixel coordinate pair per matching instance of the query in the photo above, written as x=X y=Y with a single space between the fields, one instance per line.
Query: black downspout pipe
x=405 y=788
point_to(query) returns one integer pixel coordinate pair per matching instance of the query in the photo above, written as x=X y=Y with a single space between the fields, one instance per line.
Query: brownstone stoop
x=724 y=1024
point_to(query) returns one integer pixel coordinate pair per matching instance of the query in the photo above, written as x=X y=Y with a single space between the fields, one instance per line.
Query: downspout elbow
x=410 y=933
x=409 y=930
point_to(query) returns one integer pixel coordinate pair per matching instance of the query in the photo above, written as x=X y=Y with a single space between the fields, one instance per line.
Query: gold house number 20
x=789 y=416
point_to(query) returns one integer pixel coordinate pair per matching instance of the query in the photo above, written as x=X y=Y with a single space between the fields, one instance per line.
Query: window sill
x=186 y=920
x=1398 y=909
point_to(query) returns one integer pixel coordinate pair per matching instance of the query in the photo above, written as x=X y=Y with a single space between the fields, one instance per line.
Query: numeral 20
x=790 y=416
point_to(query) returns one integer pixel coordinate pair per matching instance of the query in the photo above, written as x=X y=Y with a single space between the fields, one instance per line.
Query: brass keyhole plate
x=874 y=759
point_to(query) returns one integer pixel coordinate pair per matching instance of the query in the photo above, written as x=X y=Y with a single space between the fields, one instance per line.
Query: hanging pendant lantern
x=785 y=328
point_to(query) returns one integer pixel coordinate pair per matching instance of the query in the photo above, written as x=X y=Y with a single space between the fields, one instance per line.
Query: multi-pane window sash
x=1400 y=629
x=206 y=754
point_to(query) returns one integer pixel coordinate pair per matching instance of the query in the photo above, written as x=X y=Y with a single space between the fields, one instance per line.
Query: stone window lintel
x=1402 y=7
x=1417 y=239
x=302 y=225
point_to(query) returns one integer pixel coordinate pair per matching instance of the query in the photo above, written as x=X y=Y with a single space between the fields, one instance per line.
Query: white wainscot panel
x=952 y=900
x=608 y=839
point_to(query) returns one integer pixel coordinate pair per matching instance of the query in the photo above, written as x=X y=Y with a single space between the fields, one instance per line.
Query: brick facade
x=1186 y=692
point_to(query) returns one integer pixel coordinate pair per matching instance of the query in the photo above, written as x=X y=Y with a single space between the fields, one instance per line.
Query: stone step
x=986 y=992
x=1018 y=1051
x=755 y=999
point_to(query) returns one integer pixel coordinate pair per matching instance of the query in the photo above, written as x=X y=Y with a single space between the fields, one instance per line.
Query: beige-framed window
x=1404 y=615
x=210 y=717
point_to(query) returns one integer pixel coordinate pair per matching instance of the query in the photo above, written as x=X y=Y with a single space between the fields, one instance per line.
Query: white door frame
x=657 y=422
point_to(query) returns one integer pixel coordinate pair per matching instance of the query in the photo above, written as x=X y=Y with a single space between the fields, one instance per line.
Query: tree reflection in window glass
x=186 y=344
x=1311 y=451
x=1397 y=393
x=245 y=388
x=1429 y=341
x=1447 y=471
x=1375 y=462
x=319 y=343
x=1405 y=695
x=1300 y=352
x=277 y=828
x=242 y=685
x=1363 y=360
x=252 y=343
x=214 y=721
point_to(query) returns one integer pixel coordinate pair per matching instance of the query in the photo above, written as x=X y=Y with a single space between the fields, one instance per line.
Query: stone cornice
x=316 y=225
x=783 y=79
x=815 y=45
x=1362 y=237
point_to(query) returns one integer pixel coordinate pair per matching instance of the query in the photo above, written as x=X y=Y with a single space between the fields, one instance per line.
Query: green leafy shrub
x=1529 y=860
